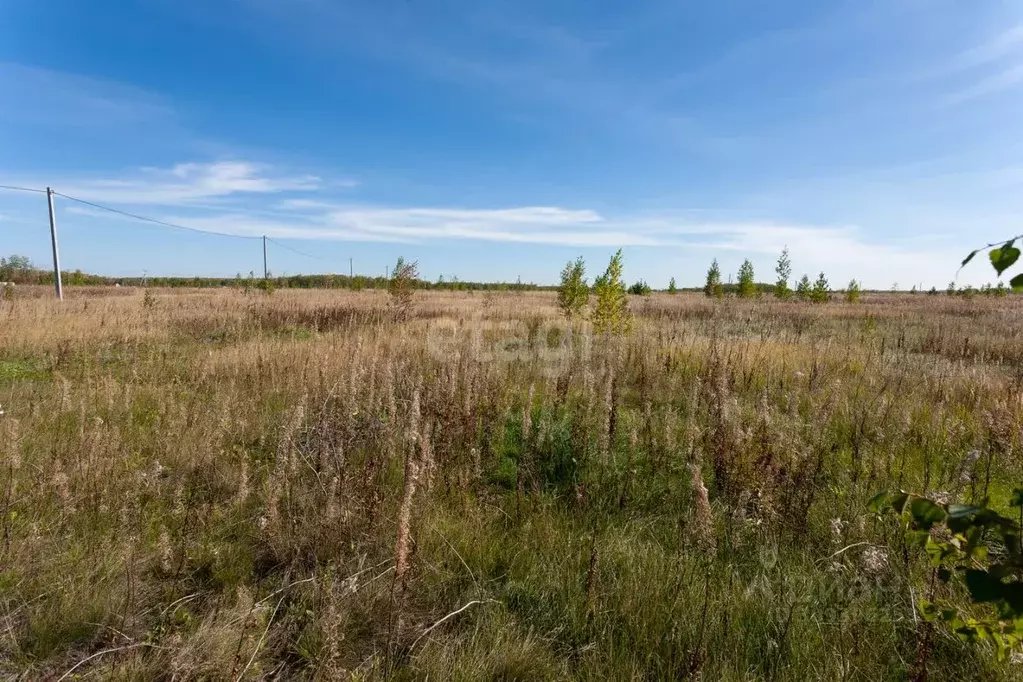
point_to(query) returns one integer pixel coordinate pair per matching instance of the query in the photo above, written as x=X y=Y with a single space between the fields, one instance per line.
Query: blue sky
x=877 y=139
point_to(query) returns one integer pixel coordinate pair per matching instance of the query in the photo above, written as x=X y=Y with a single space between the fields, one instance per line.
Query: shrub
x=401 y=287
x=640 y=288
x=573 y=292
x=16 y=269
x=266 y=285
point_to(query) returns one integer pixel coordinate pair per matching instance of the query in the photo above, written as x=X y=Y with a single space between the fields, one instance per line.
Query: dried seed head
x=702 y=523
x=967 y=464
x=165 y=550
x=414 y=416
x=60 y=482
x=837 y=527
x=874 y=562
x=332 y=507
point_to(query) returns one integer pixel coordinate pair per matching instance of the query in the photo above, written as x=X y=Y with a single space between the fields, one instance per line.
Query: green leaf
x=898 y=501
x=979 y=553
x=999 y=571
x=1013 y=595
x=956 y=511
x=925 y=513
x=929 y=610
x=962 y=517
x=938 y=551
x=1017 y=283
x=970 y=257
x=1001 y=647
x=1016 y=499
x=983 y=631
x=1003 y=258
x=983 y=586
x=877 y=501
x=1011 y=538
x=917 y=538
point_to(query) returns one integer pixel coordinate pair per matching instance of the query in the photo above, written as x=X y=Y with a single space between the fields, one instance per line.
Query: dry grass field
x=221 y=485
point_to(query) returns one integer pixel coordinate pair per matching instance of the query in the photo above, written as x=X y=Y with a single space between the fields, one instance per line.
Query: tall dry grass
x=220 y=485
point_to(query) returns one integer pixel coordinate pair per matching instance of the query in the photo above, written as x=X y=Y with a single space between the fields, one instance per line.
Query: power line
x=22 y=189
x=153 y=220
x=164 y=223
x=301 y=253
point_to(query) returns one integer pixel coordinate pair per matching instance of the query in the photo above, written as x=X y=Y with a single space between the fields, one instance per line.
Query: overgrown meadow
x=232 y=485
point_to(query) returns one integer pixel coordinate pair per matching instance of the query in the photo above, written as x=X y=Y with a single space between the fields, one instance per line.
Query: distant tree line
x=20 y=270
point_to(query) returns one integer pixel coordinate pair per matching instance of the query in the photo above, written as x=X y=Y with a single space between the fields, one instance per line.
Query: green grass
x=188 y=506
x=21 y=370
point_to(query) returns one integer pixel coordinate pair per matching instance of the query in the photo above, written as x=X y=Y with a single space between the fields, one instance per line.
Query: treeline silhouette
x=20 y=270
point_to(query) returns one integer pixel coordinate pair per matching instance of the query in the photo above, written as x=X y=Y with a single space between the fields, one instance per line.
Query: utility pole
x=266 y=273
x=56 y=252
x=351 y=269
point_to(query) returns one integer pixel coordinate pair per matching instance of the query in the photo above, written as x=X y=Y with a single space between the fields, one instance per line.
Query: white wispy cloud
x=995 y=48
x=187 y=183
x=250 y=199
x=991 y=66
x=1000 y=81
x=843 y=252
x=542 y=225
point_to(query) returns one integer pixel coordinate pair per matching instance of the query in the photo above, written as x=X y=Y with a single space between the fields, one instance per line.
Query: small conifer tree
x=821 y=291
x=803 y=288
x=784 y=271
x=640 y=288
x=713 y=286
x=611 y=315
x=747 y=282
x=852 y=292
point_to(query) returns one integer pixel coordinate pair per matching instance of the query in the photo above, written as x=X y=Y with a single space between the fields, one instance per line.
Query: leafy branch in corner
x=954 y=537
x=1003 y=256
